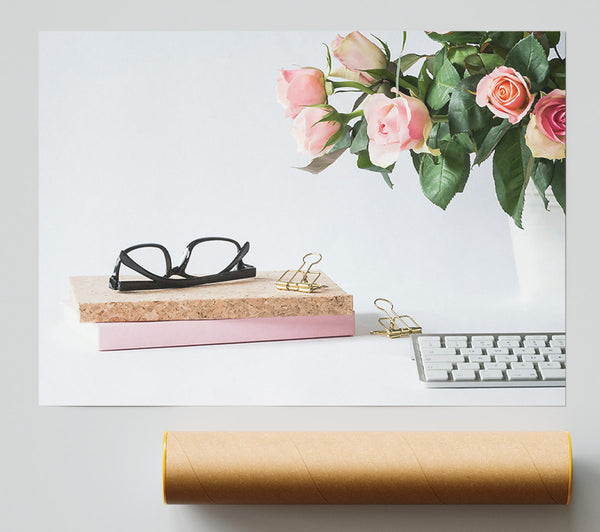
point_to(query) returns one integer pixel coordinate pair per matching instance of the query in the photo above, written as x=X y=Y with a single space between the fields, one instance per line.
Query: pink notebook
x=141 y=335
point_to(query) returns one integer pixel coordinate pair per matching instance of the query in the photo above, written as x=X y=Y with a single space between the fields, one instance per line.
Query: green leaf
x=423 y=82
x=557 y=72
x=558 y=184
x=541 y=175
x=328 y=59
x=408 y=60
x=457 y=55
x=417 y=159
x=443 y=176
x=464 y=114
x=435 y=63
x=439 y=133
x=386 y=48
x=553 y=37
x=457 y=37
x=341 y=139
x=491 y=61
x=543 y=40
x=480 y=134
x=510 y=170
x=464 y=139
x=490 y=141
x=386 y=178
x=360 y=138
x=405 y=84
x=505 y=39
x=528 y=58
x=380 y=73
x=364 y=163
x=319 y=164
x=482 y=63
x=466 y=172
x=443 y=84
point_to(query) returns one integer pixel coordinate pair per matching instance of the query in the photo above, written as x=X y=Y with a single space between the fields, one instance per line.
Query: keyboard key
x=486 y=337
x=534 y=343
x=491 y=375
x=438 y=351
x=495 y=351
x=455 y=343
x=506 y=358
x=482 y=343
x=495 y=365
x=515 y=337
x=549 y=365
x=553 y=374
x=522 y=374
x=458 y=338
x=468 y=365
x=535 y=337
x=558 y=340
x=471 y=351
x=453 y=359
x=509 y=343
x=463 y=374
x=533 y=358
x=550 y=351
x=521 y=365
x=436 y=375
x=432 y=366
x=429 y=341
x=524 y=351
x=557 y=358
x=480 y=358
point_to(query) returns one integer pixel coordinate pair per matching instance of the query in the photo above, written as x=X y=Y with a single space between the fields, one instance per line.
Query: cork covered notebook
x=94 y=302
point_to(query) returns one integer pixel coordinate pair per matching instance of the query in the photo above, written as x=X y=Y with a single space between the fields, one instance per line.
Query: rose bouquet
x=483 y=94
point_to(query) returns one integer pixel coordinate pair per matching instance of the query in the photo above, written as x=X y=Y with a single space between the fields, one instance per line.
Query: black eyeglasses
x=236 y=269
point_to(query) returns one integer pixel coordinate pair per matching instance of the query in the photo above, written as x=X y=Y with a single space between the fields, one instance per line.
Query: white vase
x=539 y=248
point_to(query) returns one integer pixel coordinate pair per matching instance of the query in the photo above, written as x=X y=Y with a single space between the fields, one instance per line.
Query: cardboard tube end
x=164 y=467
x=570 y=467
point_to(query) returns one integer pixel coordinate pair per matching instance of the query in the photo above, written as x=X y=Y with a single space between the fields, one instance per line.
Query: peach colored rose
x=395 y=125
x=357 y=53
x=506 y=93
x=312 y=135
x=301 y=87
x=546 y=131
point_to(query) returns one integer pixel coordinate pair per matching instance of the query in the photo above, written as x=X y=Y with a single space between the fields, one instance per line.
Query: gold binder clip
x=395 y=325
x=302 y=280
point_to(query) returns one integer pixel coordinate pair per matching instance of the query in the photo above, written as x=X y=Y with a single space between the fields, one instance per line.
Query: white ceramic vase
x=539 y=248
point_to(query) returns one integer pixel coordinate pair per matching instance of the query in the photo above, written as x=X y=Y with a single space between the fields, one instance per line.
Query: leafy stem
x=353 y=114
x=352 y=84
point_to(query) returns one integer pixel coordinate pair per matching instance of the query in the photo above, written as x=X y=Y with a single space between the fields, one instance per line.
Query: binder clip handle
x=395 y=325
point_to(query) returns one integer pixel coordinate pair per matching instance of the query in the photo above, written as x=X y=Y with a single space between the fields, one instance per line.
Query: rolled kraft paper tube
x=367 y=467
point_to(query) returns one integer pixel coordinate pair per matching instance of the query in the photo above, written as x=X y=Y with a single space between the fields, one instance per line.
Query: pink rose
x=357 y=53
x=395 y=125
x=312 y=135
x=546 y=131
x=506 y=94
x=298 y=88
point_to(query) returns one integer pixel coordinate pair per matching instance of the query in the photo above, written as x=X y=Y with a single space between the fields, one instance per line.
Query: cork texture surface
x=244 y=298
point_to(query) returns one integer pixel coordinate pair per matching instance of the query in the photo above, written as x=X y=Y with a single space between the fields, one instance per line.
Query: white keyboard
x=488 y=360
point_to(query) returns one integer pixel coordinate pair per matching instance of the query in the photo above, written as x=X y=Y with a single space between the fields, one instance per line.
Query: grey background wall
x=98 y=469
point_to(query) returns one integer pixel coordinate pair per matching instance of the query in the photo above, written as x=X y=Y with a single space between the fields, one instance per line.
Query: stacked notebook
x=245 y=310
